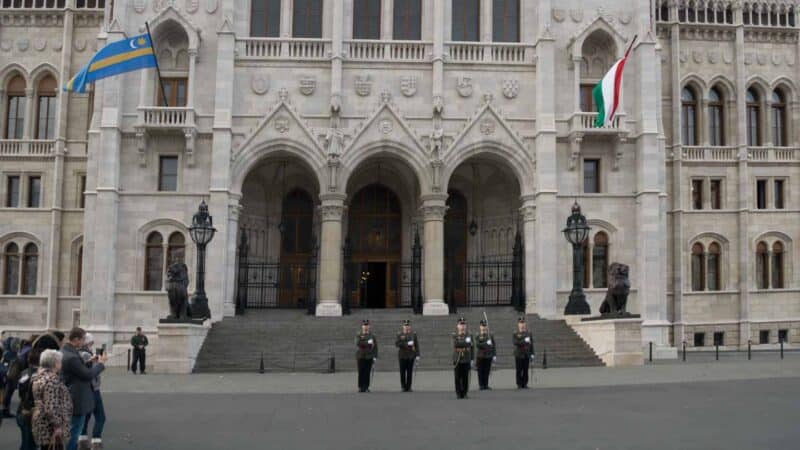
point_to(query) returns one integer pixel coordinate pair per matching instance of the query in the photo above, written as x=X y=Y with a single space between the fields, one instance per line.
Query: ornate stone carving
x=177 y=282
x=576 y=15
x=487 y=127
x=211 y=6
x=776 y=58
x=79 y=44
x=510 y=88
x=139 y=6
x=336 y=103
x=528 y=213
x=40 y=43
x=283 y=94
x=282 y=124
x=6 y=44
x=761 y=58
x=683 y=56
x=559 y=15
x=619 y=286
x=56 y=45
x=23 y=44
x=158 y=5
x=625 y=17
x=433 y=212
x=464 y=86
x=308 y=84
x=363 y=85
x=438 y=104
x=192 y=6
x=697 y=56
x=408 y=85
x=488 y=98
x=385 y=126
x=331 y=212
x=259 y=83
x=386 y=97
x=713 y=56
x=748 y=59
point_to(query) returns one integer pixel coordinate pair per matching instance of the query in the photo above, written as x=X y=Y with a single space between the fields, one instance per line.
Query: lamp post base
x=199 y=306
x=577 y=304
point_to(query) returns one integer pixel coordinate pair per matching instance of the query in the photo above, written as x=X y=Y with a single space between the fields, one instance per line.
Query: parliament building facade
x=370 y=152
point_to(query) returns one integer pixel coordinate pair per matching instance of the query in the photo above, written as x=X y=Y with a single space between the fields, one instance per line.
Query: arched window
x=154 y=262
x=753 y=118
x=11 y=275
x=466 y=20
x=297 y=217
x=778 y=109
x=600 y=260
x=698 y=267
x=716 y=127
x=265 y=18
x=407 y=20
x=713 y=267
x=15 y=108
x=762 y=266
x=46 y=108
x=307 y=18
x=30 y=269
x=367 y=19
x=79 y=271
x=505 y=21
x=777 y=265
x=688 y=117
x=176 y=248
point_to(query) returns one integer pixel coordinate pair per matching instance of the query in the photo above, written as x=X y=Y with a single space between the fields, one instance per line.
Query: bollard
x=651 y=351
x=781 y=348
x=261 y=365
x=716 y=356
x=684 y=351
x=544 y=359
x=332 y=364
x=749 y=351
x=128 y=369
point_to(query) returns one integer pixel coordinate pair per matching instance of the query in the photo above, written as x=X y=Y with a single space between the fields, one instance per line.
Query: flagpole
x=158 y=69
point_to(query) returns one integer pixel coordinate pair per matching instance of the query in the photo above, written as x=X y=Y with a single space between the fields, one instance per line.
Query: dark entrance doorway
x=373 y=284
x=455 y=247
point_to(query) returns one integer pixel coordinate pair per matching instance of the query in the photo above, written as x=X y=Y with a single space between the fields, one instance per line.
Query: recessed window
x=777 y=265
x=168 y=173
x=698 y=267
x=174 y=90
x=761 y=194
x=82 y=191
x=753 y=117
x=699 y=339
x=591 y=176
x=697 y=194
x=12 y=191
x=34 y=192
x=15 y=108
x=587 y=99
x=778 y=109
x=716 y=194
x=367 y=19
x=600 y=260
x=30 y=269
x=505 y=21
x=763 y=337
x=466 y=20
x=716 y=129
x=11 y=258
x=783 y=336
x=762 y=266
x=154 y=261
x=714 y=278
x=46 y=123
x=265 y=18
x=407 y=20
x=688 y=117
x=779 y=194
x=719 y=338
x=307 y=19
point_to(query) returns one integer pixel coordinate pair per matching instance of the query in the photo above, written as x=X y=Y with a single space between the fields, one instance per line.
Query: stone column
x=286 y=18
x=576 y=72
x=387 y=20
x=433 y=209
x=438 y=48
x=678 y=180
x=27 y=130
x=336 y=53
x=330 y=254
x=528 y=213
x=486 y=20
x=192 y=75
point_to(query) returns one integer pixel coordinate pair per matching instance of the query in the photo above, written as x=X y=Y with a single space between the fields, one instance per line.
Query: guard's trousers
x=522 y=365
x=406 y=373
x=364 y=369
x=461 y=373
x=484 y=368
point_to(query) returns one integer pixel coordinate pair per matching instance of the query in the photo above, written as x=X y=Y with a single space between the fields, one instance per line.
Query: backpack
x=25 y=388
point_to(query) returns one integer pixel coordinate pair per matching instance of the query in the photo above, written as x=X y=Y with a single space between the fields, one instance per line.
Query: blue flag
x=115 y=58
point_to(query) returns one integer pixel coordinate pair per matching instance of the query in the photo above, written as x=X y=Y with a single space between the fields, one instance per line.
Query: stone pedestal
x=329 y=309
x=177 y=346
x=618 y=342
x=435 y=308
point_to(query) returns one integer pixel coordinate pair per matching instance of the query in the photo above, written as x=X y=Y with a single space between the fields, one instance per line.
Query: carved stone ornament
x=487 y=127
x=211 y=6
x=331 y=212
x=192 y=6
x=762 y=59
x=259 y=83
x=39 y=44
x=283 y=94
x=282 y=124
x=158 y=5
x=625 y=17
x=408 y=85
x=79 y=44
x=748 y=59
x=6 y=44
x=576 y=15
x=713 y=56
x=363 y=85
x=777 y=58
x=697 y=56
x=683 y=56
x=308 y=84
x=139 y=5
x=23 y=44
x=385 y=126
x=559 y=15
x=510 y=88
x=464 y=86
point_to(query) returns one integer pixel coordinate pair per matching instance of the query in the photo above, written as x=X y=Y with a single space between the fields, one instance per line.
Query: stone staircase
x=291 y=341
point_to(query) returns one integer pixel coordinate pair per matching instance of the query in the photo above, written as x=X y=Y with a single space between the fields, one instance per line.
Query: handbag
x=55 y=443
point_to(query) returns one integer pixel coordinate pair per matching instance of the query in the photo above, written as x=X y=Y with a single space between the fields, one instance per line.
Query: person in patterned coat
x=52 y=404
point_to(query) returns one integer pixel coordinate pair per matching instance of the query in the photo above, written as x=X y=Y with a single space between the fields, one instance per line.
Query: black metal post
x=311 y=280
x=651 y=351
x=261 y=364
x=749 y=351
x=200 y=304
x=128 y=367
x=332 y=364
x=517 y=274
x=544 y=359
x=241 y=298
x=716 y=356
x=577 y=298
x=684 y=351
x=416 y=274
x=346 y=274
x=781 y=348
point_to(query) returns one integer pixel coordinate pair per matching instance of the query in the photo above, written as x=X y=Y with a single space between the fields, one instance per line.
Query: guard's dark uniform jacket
x=463 y=353
x=523 y=354
x=366 y=352
x=407 y=351
x=486 y=352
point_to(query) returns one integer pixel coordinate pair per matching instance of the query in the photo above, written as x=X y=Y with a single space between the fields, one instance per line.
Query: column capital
x=528 y=212
x=29 y=92
x=331 y=212
x=433 y=212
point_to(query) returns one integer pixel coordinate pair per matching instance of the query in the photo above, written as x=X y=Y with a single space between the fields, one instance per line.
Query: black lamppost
x=576 y=233
x=201 y=231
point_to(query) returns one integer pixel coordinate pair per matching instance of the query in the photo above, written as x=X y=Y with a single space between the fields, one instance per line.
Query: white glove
x=527 y=339
x=489 y=342
x=494 y=358
x=472 y=364
x=533 y=356
x=374 y=359
x=416 y=359
x=369 y=342
x=410 y=343
x=468 y=340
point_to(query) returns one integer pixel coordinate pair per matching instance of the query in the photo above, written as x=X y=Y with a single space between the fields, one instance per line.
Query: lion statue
x=619 y=286
x=177 y=282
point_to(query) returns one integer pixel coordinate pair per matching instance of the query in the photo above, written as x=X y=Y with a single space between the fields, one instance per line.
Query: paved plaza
x=732 y=404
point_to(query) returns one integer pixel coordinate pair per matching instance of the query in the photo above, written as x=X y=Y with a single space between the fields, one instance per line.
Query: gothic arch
x=172 y=17
x=21 y=238
x=707 y=237
x=599 y=25
x=725 y=85
x=12 y=70
x=761 y=85
x=41 y=71
x=772 y=236
x=518 y=161
x=247 y=158
x=417 y=162
x=787 y=87
x=695 y=82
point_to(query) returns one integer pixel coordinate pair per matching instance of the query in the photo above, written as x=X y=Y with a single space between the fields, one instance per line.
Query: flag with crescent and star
x=115 y=58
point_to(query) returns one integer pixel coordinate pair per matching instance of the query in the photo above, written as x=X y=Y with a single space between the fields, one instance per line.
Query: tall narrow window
x=34 y=192
x=716 y=194
x=176 y=248
x=11 y=272
x=688 y=117
x=753 y=118
x=265 y=18
x=174 y=90
x=713 y=267
x=697 y=194
x=779 y=194
x=407 y=20
x=698 y=267
x=505 y=21
x=761 y=194
x=777 y=265
x=367 y=19
x=30 y=269
x=466 y=20
x=591 y=176
x=778 y=109
x=79 y=271
x=762 y=266
x=12 y=191
x=716 y=129
x=307 y=18
x=82 y=191
x=46 y=104
x=168 y=173
x=587 y=99
x=15 y=108
x=600 y=260
x=154 y=261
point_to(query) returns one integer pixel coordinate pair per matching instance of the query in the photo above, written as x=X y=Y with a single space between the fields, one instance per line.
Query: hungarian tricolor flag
x=608 y=92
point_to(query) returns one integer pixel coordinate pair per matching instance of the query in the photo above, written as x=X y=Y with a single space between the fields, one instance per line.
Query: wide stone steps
x=291 y=341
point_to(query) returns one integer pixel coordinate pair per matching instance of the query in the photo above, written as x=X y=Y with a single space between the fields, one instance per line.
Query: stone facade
x=498 y=122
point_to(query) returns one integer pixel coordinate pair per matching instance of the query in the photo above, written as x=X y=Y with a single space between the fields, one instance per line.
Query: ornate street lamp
x=576 y=233
x=201 y=231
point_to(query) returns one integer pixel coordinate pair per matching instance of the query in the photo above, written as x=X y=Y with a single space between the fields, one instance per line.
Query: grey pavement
x=703 y=405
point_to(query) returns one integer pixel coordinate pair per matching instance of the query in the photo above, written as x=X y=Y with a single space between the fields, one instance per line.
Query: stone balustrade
x=166 y=117
x=14 y=5
x=26 y=147
x=584 y=122
x=709 y=153
x=283 y=48
x=776 y=154
x=395 y=51
x=489 y=52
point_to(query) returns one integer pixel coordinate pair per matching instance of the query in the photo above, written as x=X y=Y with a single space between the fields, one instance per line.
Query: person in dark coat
x=366 y=354
x=139 y=344
x=78 y=379
x=407 y=345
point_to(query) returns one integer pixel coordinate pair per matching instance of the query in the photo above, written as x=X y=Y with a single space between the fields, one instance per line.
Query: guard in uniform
x=463 y=353
x=523 y=352
x=366 y=354
x=484 y=341
x=407 y=353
